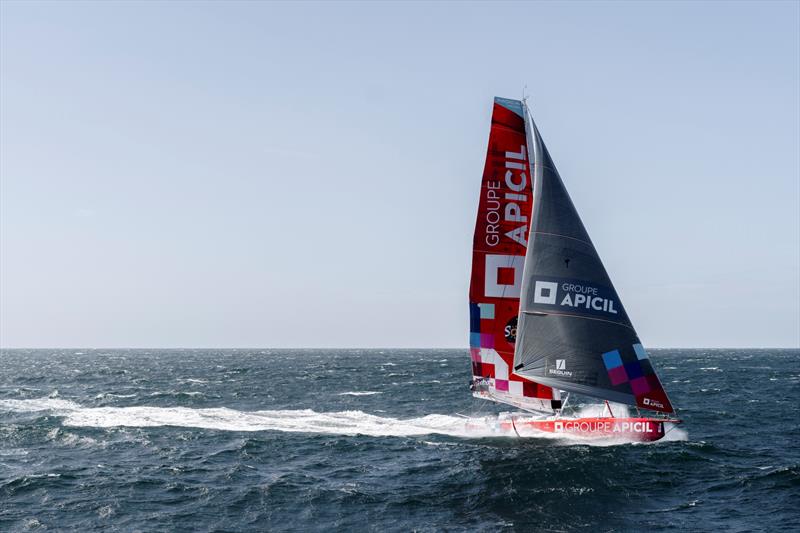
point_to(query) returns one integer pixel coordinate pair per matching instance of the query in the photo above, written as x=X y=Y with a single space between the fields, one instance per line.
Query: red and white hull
x=624 y=429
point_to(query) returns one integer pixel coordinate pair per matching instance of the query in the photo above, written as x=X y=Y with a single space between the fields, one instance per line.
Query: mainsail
x=573 y=332
x=499 y=248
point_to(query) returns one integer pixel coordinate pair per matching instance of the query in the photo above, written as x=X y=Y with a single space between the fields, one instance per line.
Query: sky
x=307 y=175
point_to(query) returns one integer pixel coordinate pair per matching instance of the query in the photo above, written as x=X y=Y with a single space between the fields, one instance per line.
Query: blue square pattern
x=640 y=351
x=487 y=310
x=474 y=340
x=612 y=359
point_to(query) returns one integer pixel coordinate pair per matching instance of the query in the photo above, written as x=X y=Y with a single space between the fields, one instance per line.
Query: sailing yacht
x=545 y=320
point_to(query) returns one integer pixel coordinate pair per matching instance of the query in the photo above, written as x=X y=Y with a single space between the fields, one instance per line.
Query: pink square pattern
x=618 y=375
x=640 y=386
x=487 y=340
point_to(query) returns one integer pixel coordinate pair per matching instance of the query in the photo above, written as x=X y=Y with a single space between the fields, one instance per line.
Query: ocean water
x=324 y=440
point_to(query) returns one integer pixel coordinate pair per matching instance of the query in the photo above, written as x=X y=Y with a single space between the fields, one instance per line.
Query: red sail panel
x=500 y=242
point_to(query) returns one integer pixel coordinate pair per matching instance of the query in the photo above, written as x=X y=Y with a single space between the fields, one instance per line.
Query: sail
x=499 y=247
x=573 y=332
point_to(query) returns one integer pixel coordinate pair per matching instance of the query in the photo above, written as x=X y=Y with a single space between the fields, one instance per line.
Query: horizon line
x=2 y=348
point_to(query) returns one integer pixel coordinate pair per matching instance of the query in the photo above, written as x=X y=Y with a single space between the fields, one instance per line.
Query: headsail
x=501 y=238
x=573 y=331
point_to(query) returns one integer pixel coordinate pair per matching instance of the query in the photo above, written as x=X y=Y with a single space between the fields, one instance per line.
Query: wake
x=296 y=420
x=289 y=420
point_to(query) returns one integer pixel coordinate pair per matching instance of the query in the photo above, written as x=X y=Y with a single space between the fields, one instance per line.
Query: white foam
x=104 y=395
x=177 y=393
x=359 y=393
x=38 y=404
x=289 y=420
x=303 y=420
x=674 y=433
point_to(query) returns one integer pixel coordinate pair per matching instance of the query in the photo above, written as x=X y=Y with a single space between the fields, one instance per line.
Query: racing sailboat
x=544 y=315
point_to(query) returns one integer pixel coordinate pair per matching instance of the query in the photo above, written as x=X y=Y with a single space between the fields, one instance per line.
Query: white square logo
x=561 y=364
x=559 y=426
x=545 y=292
x=496 y=267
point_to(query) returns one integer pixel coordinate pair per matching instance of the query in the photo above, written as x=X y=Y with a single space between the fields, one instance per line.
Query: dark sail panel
x=573 y=331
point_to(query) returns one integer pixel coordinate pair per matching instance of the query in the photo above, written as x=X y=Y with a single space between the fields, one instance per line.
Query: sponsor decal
x=504 y=198
x=510 y=331
x=602 y=426
x=503 y=275
x=652 y=403
x=545 y=292
x=577 y=296
x=560 y=369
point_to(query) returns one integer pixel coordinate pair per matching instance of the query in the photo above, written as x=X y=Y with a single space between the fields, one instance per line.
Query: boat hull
x=624 y=429
x=633 y=429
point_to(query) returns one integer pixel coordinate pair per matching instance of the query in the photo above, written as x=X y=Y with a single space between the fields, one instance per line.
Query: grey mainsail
x=573 y=332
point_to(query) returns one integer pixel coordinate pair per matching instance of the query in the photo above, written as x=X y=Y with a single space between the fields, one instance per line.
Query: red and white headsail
x=498 y=257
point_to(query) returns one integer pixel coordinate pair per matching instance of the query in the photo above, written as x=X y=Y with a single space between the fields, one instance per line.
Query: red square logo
x=505 y=276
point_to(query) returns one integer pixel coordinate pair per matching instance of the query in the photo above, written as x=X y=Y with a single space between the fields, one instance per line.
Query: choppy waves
x=243 y=440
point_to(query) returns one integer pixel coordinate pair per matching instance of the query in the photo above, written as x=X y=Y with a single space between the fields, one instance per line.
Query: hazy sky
x=262 y=174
